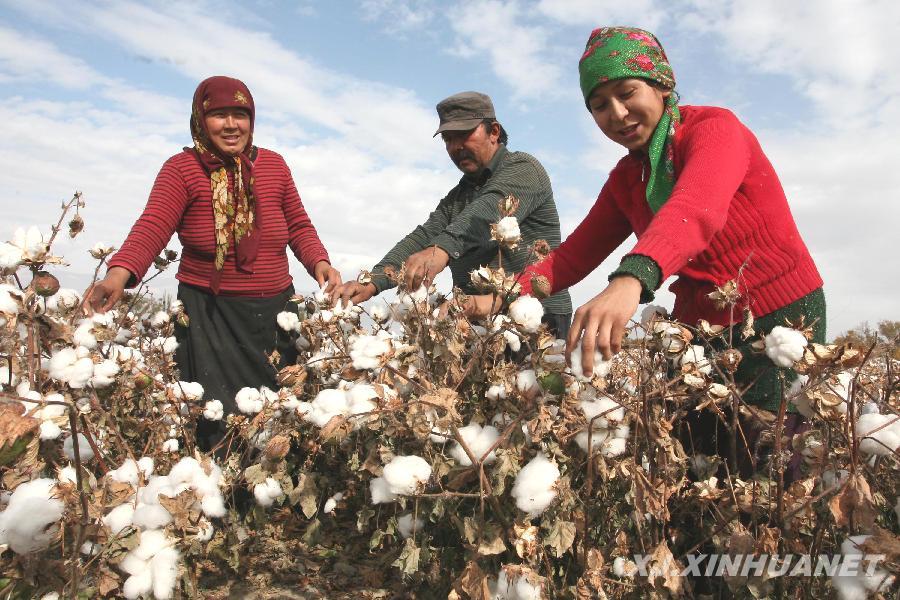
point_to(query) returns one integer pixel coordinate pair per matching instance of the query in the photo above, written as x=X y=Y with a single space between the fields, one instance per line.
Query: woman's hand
x=104 y=294
x=353 y=291
x=326 y=274
x=603 y=321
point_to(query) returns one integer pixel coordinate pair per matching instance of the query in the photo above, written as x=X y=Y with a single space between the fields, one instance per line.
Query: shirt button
x=456 y=254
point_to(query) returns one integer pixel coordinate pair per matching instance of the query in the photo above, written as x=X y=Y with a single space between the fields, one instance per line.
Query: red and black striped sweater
x=181 y=200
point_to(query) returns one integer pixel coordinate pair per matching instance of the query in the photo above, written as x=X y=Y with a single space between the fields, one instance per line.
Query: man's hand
x=480 y=307
x=326 y=274
x=423 y=267
x=104 y=294
x=603 y=321
x=353 y=291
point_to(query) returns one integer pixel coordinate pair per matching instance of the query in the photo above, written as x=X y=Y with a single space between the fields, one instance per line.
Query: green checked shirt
x=461 y=224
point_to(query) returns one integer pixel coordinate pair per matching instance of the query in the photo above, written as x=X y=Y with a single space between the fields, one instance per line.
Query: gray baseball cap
x=464 y=111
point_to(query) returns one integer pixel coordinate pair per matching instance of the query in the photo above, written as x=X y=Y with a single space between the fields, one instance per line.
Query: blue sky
x=95 y=96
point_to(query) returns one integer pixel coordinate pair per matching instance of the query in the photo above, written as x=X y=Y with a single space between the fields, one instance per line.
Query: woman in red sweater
x=704 y=202
x=236 y=210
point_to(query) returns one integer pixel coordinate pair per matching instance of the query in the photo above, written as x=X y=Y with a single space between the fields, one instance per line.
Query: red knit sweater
x=181 y=200
x=727 y=209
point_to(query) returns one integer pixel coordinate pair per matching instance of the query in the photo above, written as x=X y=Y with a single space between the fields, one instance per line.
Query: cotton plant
x=478 y=439
x=253 y=400
x=152 y=567
x=605 y=430
x=878 y=435
x=867 y=580
x=30 y=521
x=347 y=401
x=368 y=351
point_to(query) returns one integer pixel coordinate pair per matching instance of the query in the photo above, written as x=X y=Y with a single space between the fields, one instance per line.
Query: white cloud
x=590 y=14
x=398 y=16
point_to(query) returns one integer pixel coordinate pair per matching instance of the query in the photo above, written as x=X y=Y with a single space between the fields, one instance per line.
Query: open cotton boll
x=507 y=230
x=697 y=356
x=138 y=585
x=407 y=525
x=30 y=521
x=186 y=390
x=406 y=475
x=159 y=319
x=602 y=410
x=327 y=404
x=185 y=470
x=367 y=351
x=50 y=430
x=610 y=442
x=496 y=392
x=164 y=571
x=7 y=378
x=478 y=439
x=650 y=311
x=10 y=258
x=860 y=585
x=601 y=367
x=205 y=530
x=119 y=518
x=104 y=373
x=512 y=340
x=288 y=321
x=66 y=366
x=84 y=448
x=784 y=346
x=127 y=473
x=151 y=516
x=170 y=445
x=883 y=441
x=152 y=542
x=381 y=491
x=379 y=313
x=214 y=410
x=67 y=475
x=516 y=589
x=526 y=381
x=527 y=312
x=535 y=485
x=249 y=400
x=267 y=492
x=146 y=465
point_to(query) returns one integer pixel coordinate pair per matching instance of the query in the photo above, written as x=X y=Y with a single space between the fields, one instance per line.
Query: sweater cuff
x=644 y=269
x=381 y=281
x=448 y=244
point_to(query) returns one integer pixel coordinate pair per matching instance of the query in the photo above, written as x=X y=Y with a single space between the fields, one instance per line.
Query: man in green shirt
x=457 y=233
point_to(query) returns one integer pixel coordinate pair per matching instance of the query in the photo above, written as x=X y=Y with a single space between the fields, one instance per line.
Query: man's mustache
x=462 y=155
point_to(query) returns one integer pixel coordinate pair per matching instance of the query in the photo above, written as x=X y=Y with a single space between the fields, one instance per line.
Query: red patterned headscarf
x=234 y=208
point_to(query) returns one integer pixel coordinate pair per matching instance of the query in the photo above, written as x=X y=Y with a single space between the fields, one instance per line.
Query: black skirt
x=228 y=340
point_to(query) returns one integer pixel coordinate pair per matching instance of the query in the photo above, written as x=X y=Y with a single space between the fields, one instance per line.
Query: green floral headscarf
x=626 y=52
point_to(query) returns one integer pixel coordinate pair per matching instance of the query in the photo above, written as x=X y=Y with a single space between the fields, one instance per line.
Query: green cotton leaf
x=408 y=561
x=560 y=536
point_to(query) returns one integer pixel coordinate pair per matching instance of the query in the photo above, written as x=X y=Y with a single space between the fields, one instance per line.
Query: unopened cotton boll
x=267 y=492
x=380 y=491
x=601 y=367
x=30 y=521
x=288 y=321
x=407 y=525
x=406 y=475
x=213 y=410
x=527 y=312
x=878 y=434
x=478 y=439
x=784 y=346
x=535 y=485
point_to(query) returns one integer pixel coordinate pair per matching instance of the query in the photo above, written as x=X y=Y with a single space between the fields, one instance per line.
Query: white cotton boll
x=869 y=408
x=83 y=334
x=841 y=386
x=31 y=242
x=407 y=525
x=50 y=430
x=7 y=378
x=104 y=373
x=170 y=445
x=527 y=312
x=176 y=307
x=185 y=470
x=526 y=381
x=861 y=584
x=881 y=442
x=614 y=447
x=213 y=506
x=152 y=542
x=508 y=230
x=381 y=491
x=649 y=312
x=132 y=565
x=602 y=409
x=84 y=448
x=303 y=408
x=784 y=346
x=64 y=299
x=30 y=521
x=288 y=321
x=601 y=367
x=127 y=473
x=151 y=516
x=205 y=530
x=67 y=474
x=367 y=351
x=138 y=585
x=321 y=296
x=535 y=485
x=267 y=492
x=146 y=465
x=478 y=439
x=379 y=313
x=330 y=505
x=213 y=410
x=119 y=518
x=187 y=390
x=697 y=356
x=512 y=340
x=164 y=569
x=10 y=256
x=327 y=404
x=67 y=367
x=406 y=475
x=496 y=392
x=159 y=485
x=159 y=319
x=249 y=400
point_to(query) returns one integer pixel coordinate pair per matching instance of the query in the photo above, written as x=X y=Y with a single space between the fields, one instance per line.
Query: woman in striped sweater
x=236 y=210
